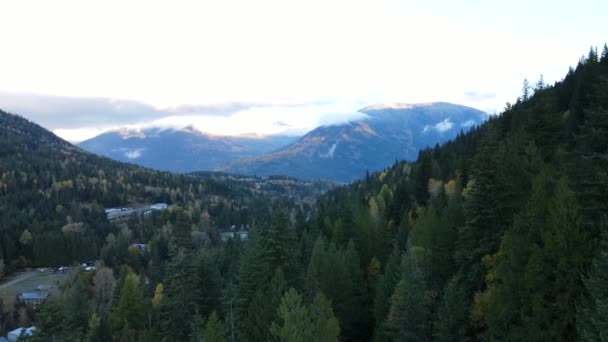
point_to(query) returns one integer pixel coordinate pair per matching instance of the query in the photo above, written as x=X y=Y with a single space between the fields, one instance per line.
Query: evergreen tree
x=51 y=321
x=178 y=306
x=280 y=247
x=206 y=284
x=409 y=313
x=525 y=91
x=129 y=313
x=451 y=319
x=293 y=324
x=214 y=329
x=325 y=325
x=262 y=310
x=535 y=276
x=76 y=308
x=384 y=290
x=254 y=272
x=592 y=314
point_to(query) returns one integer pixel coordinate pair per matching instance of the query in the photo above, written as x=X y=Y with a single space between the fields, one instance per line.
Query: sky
x=276 y=66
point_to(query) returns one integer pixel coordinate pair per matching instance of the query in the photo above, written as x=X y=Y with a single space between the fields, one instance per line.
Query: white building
x=14 y=335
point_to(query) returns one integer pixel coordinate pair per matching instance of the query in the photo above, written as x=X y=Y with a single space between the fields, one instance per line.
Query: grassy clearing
x=30 y=281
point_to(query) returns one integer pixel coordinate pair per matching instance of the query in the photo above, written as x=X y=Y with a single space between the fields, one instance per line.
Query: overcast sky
x=230 y=67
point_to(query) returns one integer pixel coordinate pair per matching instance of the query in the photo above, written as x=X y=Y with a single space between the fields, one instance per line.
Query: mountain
x=345 y=152
x=183 y=150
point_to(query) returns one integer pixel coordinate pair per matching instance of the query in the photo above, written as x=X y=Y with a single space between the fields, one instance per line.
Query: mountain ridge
x=344 y=152
x=180 y=150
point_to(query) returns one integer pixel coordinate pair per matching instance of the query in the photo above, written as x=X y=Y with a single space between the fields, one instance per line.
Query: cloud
x=444 y=126
x=339 y=117
x=77 y=135
x=60 y=112
x=80 y=118
x=467 y=123
x=217 y=109
x=440 y=127
x=133 y=154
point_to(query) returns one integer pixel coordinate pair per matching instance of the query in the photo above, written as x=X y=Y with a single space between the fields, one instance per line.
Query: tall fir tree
x=408 y=317
x=592 y=313
x=262 y=310
x=214 y=329
x=129 y=313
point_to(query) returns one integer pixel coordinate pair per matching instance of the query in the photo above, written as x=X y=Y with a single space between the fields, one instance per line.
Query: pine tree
x=356 y=318
x=214 y=329
x=51 y=321
x=294 y=323
x=262 y=310
x=178 y=305
x=280 y=247
x=385 y=288
x=317 y=266
x=77 y=308
x=525 y=91
x=409 y=313
x=589 y=164
x=206 y=284
x=325 y=325
x=254 y=272
x=451 y=319
x=129 y=313
x=592 y=314
x=535 y=281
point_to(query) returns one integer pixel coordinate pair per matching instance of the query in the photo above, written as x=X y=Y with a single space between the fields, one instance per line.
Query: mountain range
x=342 y=152
x=389 y=132
x=180 y=150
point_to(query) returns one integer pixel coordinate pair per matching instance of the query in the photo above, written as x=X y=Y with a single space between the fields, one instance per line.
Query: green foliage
x=490 y=236
x=299 y=322
x=129 y=313
x=51 y=320
x=385 y=289
x=592 y=314
x=337 y=274
x=253 y=272
x=76 y=308
x=280 y=247
x=408 y=316
x=535 y=279
x=451 y=318
x=214 y=329
x=262 y=310
x=325 y=326
x=294 y=321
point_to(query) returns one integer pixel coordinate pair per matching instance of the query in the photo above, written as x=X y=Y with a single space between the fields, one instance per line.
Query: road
x=17 y=278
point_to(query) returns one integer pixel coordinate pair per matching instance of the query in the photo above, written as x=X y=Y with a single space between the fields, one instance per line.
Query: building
x=159 y=206
x=34 y=298
x=121 y=214
x=243 y=235
x=14 y=335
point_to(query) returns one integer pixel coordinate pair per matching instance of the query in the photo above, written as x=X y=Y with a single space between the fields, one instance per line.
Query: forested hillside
x=53 y=195
x=497 y=235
